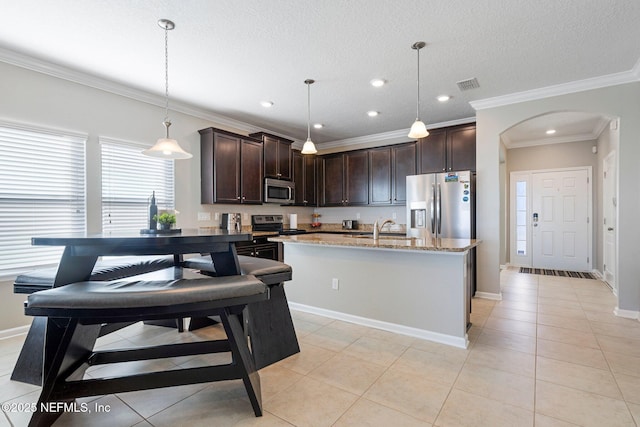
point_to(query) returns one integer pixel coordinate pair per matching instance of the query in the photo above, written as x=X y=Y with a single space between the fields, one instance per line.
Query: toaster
x=349 y=224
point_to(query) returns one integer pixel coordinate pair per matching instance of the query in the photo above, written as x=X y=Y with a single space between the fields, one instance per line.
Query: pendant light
x=309 y=147
x=418 y=129
x=166 y=147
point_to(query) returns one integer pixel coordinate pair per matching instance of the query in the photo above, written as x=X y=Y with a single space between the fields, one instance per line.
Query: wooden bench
x=76 y=311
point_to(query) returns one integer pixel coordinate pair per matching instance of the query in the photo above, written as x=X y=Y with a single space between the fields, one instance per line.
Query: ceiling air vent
x=468 y=84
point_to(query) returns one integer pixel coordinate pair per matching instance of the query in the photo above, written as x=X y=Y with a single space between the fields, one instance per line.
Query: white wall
x=621 y=101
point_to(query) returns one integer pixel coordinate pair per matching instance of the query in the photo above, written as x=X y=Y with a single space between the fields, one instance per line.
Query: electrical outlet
x=216 y=216
x=245 y=216
x=204 y=216
x=335 y=284
x=394 y=215
x=358 y=215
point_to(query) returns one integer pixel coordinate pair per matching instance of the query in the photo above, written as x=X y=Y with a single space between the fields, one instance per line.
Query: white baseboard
x=627 y=314
x=386 y=326
x=8 y=333
x=489 y=295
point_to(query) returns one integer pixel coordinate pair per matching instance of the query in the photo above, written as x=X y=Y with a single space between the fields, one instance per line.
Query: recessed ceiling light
x=378 y=82
x=443 y=98
x=551 y=131
x=266 y=104
x=372 y=113
x=318 y=125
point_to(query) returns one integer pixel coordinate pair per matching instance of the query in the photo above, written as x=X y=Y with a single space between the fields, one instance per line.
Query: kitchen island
x=416 y=287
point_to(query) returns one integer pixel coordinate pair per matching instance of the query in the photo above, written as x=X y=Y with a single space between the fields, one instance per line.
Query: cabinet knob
x=243 y=198
x=238 y=197
x=444 y=169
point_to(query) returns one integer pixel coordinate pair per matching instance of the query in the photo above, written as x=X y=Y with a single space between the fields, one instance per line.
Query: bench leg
x=67 y=348
x=270 y=327
x=242 y=357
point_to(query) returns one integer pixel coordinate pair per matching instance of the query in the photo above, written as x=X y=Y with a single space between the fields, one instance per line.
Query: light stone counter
x=384 y=242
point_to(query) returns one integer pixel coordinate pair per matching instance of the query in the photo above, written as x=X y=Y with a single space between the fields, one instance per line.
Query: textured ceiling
x=228 y=55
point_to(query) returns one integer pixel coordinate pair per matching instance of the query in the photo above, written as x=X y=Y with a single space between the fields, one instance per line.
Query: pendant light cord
x=308 y=110
x=418 y=88
x=166 y=76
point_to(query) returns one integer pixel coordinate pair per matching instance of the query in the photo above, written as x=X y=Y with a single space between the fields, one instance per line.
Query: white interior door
x=609 y=210
x=560 y=220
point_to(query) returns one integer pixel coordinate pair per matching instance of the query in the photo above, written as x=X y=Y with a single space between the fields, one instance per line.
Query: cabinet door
x=380 y=182
x=251 y=172
x=404 y=163
x=333 y=173
x=357 y=178
x=270 y=156
x=284 y=160
x=433 y=152
x=310 y=180
x=226 y=168
x=462 y=149
x=298 y=177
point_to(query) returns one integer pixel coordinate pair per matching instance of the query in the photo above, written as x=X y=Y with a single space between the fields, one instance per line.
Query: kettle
x=231 y=221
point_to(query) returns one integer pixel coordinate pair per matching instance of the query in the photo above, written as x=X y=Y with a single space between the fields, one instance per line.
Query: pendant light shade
x=418 y=129
x=166 y=147
x=309 y=147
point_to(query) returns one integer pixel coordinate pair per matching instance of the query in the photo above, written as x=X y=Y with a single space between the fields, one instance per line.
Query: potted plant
x=165 y=220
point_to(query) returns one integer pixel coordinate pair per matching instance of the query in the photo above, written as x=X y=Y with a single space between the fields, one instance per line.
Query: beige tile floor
x=551 y=353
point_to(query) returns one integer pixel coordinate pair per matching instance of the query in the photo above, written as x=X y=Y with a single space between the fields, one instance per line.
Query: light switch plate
x=204 y=216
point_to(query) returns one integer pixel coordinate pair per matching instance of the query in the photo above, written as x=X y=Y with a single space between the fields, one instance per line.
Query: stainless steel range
x=273 y=223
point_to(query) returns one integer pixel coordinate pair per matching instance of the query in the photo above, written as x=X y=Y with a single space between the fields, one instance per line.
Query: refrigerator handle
x=439 y=211
x=433 y=216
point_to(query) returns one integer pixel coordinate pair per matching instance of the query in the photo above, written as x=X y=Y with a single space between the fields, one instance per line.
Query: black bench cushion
x=131 y=294
x=109 y=269
x=263 y=269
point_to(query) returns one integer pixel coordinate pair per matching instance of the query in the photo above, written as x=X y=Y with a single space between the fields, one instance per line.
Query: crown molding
x=614 y=79
x=547 y=141
x=75 y=76
x=384 y=138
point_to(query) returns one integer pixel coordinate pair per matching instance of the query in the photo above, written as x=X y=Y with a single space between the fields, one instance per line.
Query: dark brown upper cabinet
x=277 y=155
x=345 y=179
x=389 y=167
x=231 y=168
x=448 y=149
x=305 y=177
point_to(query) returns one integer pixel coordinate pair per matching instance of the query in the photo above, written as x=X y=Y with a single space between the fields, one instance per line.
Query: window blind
x=42 y=192
x=128 y=180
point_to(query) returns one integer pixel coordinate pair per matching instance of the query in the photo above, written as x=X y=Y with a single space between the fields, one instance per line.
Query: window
x=521 y=217
x=128 y=180
x=42 y=192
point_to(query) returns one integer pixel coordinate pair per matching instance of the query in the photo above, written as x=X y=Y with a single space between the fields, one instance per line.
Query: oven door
x=278 y=191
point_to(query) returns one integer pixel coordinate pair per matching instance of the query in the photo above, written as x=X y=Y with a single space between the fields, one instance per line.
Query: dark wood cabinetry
x=260 y=247
x=389 y=167
x=448 y=149
x=345 y=179
x=277 y=155
x=305 y=177
x=230 y=168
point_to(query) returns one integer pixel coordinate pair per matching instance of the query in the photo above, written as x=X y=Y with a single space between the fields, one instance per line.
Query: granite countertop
x=384 y=242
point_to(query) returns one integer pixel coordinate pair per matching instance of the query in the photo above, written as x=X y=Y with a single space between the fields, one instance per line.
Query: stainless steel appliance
x=349 y=224
x=231 y=221
x=273 y=223
x=279 y=191
x=441 y=205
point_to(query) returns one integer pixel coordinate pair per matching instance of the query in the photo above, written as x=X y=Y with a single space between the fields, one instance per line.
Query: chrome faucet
x=377 y=230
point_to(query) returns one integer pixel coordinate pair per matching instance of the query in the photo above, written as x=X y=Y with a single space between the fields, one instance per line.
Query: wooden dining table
x=81 y=252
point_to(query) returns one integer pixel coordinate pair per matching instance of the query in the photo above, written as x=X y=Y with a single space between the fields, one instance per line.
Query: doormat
x=560 y=273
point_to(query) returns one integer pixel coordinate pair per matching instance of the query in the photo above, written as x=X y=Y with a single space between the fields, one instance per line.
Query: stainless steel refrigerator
x=441 y=206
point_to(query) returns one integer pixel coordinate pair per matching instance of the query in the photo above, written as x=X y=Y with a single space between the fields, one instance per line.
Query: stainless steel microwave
x=279 y=191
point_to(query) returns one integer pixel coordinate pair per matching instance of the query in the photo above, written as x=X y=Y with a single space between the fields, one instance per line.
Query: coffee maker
x=231 y=221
